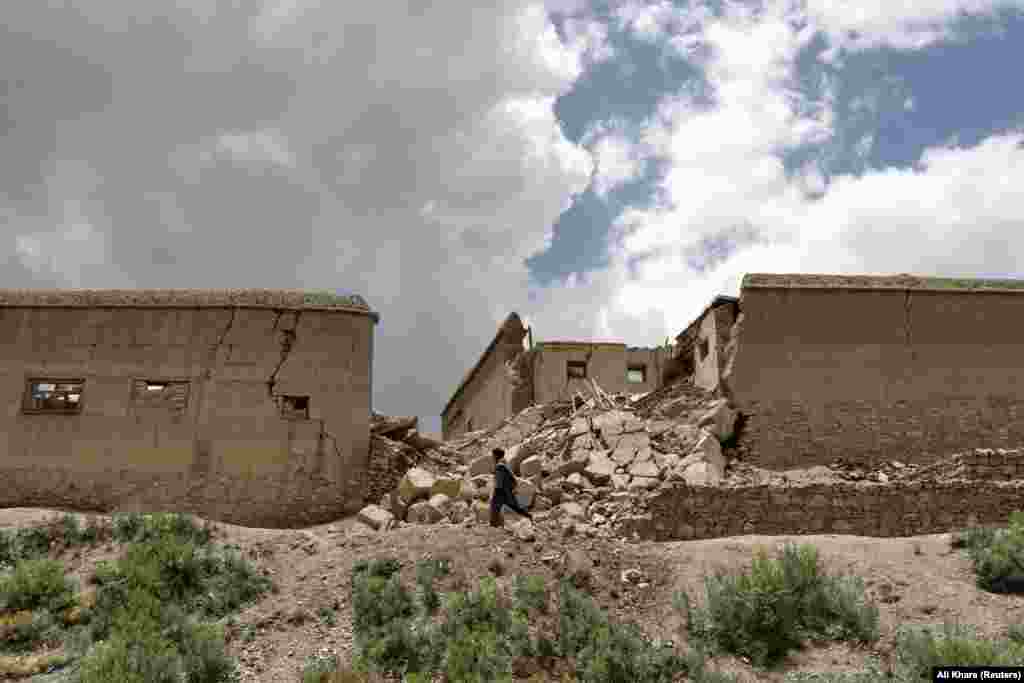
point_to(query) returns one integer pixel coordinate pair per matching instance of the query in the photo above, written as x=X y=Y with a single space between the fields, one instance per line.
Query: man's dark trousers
x=500 y=498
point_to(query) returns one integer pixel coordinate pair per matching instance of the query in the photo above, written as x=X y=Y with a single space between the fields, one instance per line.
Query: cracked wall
x=228 y=454
x=873 y=374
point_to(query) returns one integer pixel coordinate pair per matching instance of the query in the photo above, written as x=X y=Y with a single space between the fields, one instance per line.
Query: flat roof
x=900 y=281
x=186 y=298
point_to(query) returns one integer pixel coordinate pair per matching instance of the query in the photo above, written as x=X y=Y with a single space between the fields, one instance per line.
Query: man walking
x=504 y=490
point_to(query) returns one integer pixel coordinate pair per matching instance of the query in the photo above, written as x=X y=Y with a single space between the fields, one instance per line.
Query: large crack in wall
x=288 y=338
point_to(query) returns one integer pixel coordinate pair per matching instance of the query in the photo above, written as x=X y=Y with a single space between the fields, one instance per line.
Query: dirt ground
x=913 y=580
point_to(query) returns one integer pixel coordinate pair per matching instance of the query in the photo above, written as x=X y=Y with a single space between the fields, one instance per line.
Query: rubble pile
x=590 y=466
x=581 y=465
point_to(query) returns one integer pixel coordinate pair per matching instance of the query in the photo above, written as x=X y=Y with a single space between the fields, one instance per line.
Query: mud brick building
x=247 y=406
x=508 y=377
x=871 y=368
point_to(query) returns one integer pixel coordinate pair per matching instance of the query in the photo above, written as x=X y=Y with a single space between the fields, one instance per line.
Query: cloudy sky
x=602 y=168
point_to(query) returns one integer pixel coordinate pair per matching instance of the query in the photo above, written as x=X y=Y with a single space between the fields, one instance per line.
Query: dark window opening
x=469 y=425
x=54 y=396
x=576 y=369
x=636 y=374
x=160 y=393
x=295 y=407
x=702 y=349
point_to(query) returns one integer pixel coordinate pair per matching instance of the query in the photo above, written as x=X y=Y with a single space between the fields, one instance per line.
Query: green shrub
x=383 y=613
x=37 y=584
x=1015 y=632
x=23 y=544
x=42 y=627
x=153 y=641
x=765 y=613
x=919 y=649
x=428 y=571
x=872 y=672
x=997 y=555
x=608 y=651
x=531 y=593
x=134 y=527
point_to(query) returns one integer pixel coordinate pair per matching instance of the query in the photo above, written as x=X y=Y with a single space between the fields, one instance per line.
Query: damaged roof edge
x=878 y=282
x=720 y=300
x=186 y=298
x=512 y=318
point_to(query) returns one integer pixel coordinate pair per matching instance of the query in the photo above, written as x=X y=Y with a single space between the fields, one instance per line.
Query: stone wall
x=221 y=446
x=870 y=374
x=389 y=461
x=862 y=509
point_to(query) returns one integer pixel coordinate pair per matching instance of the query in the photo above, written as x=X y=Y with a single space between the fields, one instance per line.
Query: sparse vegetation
x=997 y=554
x=137 y=625
x=921 y=648
x=480 y=632
x=766 y=612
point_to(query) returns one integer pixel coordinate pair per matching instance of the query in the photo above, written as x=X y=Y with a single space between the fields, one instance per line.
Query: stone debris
x=589 y=467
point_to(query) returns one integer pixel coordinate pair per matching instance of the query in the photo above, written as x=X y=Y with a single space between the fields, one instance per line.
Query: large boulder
x=720 y=419
x=525 y=491
x=610 y=423
x=441 y=503
x=620 y=482
x=708 y=449
x=577 y=463
x=531 y=466
x=702 y=474
x=572 y=510
x=483 y=464
x=423 y=513
x=415 y=485
x=448 y=486
x=376 y=517
x=643 y=483
x=646 y=468
x=599 y=469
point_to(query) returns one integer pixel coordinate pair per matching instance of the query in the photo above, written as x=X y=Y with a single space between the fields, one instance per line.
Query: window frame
x=26 y=401
x=297 y=414
x=570 y=364
x=703 y=348
x=642 y=368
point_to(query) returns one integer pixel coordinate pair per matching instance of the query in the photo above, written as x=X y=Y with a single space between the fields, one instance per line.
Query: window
x=469 y=425
x=636 y=374
x=702 y=349
x=161 y=393
x=295 y=407
x=576 y=369
x=54 y=396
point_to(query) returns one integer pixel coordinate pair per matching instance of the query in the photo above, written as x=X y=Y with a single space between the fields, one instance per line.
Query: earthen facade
x=873 y=368
x=247 y=406
x=508 y=377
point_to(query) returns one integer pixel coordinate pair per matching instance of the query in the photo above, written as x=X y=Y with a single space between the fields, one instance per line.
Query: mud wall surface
x=222 y=448
x=826 y=373
x=607 y=363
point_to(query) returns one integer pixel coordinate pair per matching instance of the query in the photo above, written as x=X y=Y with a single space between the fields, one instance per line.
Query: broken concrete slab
x=580 y=426
x=610 y=423
x=416 y=484
x=620 y=482
x=376 y=517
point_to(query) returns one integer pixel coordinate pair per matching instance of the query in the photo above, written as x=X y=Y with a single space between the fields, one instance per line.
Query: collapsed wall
x=981 y=487
x=865 y=369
